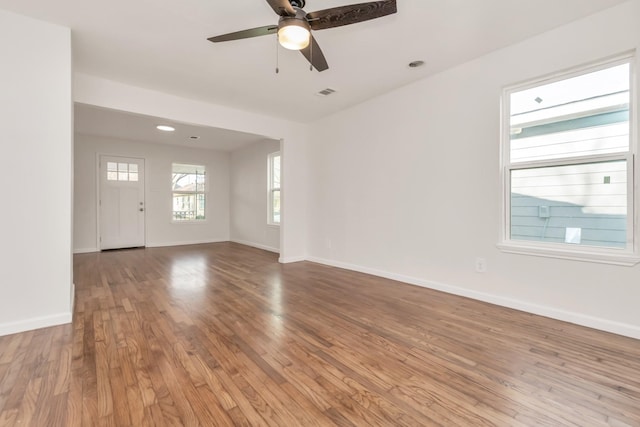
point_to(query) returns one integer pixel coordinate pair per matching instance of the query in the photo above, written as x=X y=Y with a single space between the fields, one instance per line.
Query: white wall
x=36 y=151
x=249 y=207
x=160 y=230
x=408 y=185
x=293 y=233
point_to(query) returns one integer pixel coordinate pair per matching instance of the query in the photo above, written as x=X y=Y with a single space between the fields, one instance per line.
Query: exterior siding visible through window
x=188 y=184
x=273 y=190
x=568 y=169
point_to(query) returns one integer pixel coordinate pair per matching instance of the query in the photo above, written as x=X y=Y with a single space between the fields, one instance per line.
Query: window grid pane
x=189 y=199
x=583 y=204
x=273 y=179
x=580 y=116
x=122 y=171
x=275 y=216
x=575 y=135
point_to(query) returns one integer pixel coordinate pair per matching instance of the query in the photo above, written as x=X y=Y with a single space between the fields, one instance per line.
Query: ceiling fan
x=295 y=25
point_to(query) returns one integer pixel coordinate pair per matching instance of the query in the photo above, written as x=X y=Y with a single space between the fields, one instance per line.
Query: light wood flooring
x=222 y=334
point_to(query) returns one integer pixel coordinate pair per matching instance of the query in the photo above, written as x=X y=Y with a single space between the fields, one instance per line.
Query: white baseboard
x=85 y=250
x=35 y=323
x=183 y=243
x=619 y=328
x=256 y=245
x=72 y=304
x=287 y=260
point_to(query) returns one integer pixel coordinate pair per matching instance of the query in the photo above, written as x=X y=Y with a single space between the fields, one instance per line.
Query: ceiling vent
x=326 y=92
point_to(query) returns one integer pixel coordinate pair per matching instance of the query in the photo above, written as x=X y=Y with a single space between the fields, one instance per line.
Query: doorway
x=121 y=212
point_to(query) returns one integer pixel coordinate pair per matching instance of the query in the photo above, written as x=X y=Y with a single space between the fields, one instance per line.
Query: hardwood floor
x=222 y=334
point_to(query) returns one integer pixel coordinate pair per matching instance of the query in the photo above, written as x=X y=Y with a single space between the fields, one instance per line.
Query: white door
x=122 y=208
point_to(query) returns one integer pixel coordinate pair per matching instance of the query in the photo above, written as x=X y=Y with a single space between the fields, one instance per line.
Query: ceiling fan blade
x=245 y=34
x=282 y=7
x=352 y=14
x=314 y=55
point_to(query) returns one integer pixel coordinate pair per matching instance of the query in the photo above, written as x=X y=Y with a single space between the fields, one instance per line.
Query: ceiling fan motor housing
x=299 y=19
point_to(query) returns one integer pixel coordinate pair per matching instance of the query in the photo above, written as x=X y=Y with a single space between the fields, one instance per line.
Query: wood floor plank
x=223 y=335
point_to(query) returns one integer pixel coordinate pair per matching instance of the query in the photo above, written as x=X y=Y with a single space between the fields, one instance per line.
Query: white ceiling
x=108 y=123
x=162 y=45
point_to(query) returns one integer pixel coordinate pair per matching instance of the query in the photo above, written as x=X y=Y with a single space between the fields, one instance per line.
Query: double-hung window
x=188 y=184
x=273 y=191
x=568 y=165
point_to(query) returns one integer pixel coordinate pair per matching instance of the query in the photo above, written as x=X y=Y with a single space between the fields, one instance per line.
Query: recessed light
x=165 y=128
x=416 y=64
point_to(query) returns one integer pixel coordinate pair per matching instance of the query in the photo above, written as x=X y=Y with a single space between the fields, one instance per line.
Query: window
x=122 y=171
x=568 y=168
x=274 y=188
x=188 y=184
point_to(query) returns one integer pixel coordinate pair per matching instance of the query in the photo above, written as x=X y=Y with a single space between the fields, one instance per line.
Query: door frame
x=99 y=155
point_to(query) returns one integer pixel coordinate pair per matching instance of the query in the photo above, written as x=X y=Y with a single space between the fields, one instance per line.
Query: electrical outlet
x=481 y=265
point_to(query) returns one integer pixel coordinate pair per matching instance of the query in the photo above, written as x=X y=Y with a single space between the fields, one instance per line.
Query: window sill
x=608 y=257
x=270 y=224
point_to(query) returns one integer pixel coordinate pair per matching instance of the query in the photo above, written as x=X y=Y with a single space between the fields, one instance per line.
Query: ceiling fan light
x=294 y=35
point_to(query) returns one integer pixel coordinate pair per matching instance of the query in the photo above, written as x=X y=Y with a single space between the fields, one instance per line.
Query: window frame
x=128 y=173
x=195 y=192
x=271 y=189
x=628 y=256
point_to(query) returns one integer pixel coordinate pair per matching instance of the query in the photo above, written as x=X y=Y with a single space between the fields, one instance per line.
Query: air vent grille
x=326 y=92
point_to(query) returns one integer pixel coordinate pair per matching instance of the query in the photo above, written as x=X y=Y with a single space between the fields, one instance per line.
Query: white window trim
x=205 y=192
x=271 y=189
x=626 y=257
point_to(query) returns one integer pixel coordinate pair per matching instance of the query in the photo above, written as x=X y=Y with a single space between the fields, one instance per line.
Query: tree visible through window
x=274 y=188
x=568 y=161
x=188 y=187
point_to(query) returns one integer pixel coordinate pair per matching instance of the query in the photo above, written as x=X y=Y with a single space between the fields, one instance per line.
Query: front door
x=122 y=208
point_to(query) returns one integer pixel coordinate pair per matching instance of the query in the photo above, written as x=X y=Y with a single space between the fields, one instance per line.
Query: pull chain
x=277 y=53
x=311 y=53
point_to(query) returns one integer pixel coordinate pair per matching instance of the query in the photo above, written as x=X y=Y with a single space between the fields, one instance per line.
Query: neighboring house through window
x=188 y=184
x=274 y=188
x=568 y=168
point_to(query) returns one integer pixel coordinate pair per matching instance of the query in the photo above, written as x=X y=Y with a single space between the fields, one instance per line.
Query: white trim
x=634 y=122
x=579 y=253
x=288 y=260
x=85 y=250
x=98 y=178
x=270 y=189
x=619 y=328
x=626 y=257
x=256 y=245
x=35 y=323
x=184 y=243
x=189 y=221
x=73 y=299
x=205 y=193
